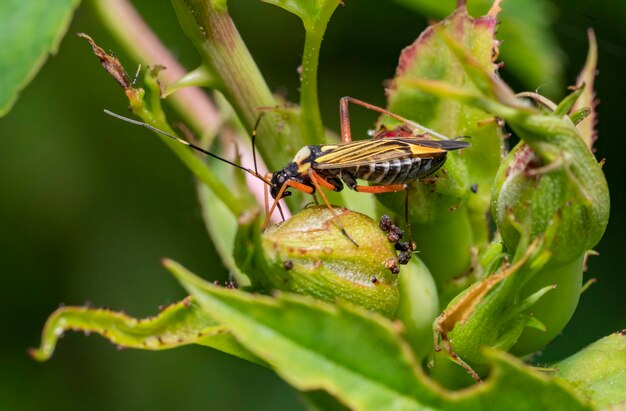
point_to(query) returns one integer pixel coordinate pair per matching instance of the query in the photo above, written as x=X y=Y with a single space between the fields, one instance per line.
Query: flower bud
x=534 y=187
x=418 y=306
x=308 y=254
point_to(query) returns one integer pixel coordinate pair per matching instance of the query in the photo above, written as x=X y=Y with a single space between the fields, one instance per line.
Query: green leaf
x=314 y=13
x=418 y=306
x=599 y=371
x=315 y=346
x=529 y=48
x=31 y=30
x=360 y=358
x=181 y=323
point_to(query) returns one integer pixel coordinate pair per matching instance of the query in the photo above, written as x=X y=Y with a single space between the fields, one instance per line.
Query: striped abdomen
x=394 y=171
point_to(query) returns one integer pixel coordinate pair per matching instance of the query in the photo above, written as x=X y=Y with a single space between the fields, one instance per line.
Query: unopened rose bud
x=308 y=254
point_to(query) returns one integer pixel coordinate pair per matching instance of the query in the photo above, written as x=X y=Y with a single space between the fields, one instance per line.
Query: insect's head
x=280 y=177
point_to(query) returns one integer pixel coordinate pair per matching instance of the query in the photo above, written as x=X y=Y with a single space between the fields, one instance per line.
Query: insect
x=388 y=161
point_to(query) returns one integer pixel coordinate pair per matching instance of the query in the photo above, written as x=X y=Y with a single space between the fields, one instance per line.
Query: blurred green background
x=90 y=205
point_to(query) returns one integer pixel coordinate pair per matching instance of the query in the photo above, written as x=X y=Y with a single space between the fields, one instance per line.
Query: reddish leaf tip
x=495 y=8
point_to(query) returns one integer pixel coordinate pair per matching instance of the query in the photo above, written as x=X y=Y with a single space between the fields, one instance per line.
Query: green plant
x=548 y=199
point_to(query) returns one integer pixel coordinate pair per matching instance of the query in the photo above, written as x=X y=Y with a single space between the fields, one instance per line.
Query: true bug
x=388 y=161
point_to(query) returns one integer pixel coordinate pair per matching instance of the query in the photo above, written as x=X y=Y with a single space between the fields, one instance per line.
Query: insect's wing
x=361 y=153
x=447 y=145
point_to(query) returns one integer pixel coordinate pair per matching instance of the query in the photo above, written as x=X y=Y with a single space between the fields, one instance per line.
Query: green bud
x=418 y=306
x=556 y=308
x=557 y=178
x=308 y=254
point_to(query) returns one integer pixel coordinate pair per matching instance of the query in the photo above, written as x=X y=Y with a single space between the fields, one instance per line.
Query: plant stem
x=211 y=29
x=311 y=120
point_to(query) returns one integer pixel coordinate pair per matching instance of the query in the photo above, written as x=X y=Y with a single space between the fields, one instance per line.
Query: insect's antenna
x=256 y=126
x=188 y=144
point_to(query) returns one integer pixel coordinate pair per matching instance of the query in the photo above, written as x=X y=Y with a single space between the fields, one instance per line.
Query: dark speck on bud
x=393 y=237
x=474 y=188
x=398 y=231
x=403 y=246
x=392 y=265
x=288 y=264
x=404 y=257
x=385 y=223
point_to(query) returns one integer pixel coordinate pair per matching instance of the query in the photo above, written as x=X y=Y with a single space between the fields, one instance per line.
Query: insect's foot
x=345 y=233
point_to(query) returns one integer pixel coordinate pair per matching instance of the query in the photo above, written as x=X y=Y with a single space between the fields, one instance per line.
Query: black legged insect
x=388 y=161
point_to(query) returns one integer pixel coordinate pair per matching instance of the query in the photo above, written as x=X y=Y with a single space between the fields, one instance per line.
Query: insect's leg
x=289 y=183
x=266 y=203
x=268 y=215
x=344 y=120
x=322 y=182
x=280 y=211
x=393 y=188
x=317 y=182
x=346 y=100
x=407 y=222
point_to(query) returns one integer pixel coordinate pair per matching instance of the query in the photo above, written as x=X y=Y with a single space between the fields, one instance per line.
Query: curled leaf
x=179 y=324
